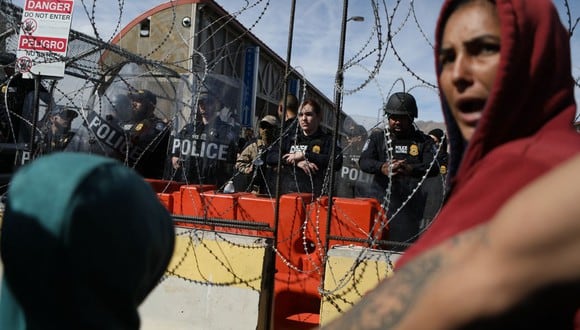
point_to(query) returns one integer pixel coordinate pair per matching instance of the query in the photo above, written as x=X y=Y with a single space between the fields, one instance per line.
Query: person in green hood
x=84 y=240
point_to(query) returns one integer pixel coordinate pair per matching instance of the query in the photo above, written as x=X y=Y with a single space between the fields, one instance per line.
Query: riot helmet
x=401 y=103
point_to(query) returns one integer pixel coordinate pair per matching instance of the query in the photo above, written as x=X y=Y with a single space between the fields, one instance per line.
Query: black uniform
x=416 y=150
x=15 y=121
x=433 y=187
x=207 y=152
x=148 y=146
x=20 y=93
x=55 y=142
x=317 y=148
x=141 y=145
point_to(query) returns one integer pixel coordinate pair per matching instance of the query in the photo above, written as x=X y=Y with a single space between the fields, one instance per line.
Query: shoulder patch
x=366 y=145
x=159 y=126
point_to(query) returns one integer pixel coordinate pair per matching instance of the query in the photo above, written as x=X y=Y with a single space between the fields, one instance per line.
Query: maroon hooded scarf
x=526 y=127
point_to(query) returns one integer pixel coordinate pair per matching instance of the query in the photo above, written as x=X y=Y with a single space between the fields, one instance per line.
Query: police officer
x=19 y=94
x=400 y=155
x=253 y=174
x=440 y=149
x=352 y=182
x=147 y=135
x=306 y=154
x=434 y=186
x=205 y=150
x=16 y=112
x=57 y=133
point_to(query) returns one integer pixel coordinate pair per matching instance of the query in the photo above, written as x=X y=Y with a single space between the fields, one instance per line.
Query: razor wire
x=179 y=84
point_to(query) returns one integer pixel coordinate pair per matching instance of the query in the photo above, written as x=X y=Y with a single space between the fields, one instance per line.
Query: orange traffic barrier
x=221 y=206
x=203 y=201
x=192 y=203
x=297 y=276
x=166 y=200
x=165 y=191
x=301 y=236
x=256 y=208
x=292 y=213
x=358 y=218
x=176 y=196
x=295 y=308
x=301 y=245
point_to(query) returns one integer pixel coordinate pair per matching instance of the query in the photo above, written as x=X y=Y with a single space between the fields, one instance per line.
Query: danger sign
x=50 y=6
x=44 y=35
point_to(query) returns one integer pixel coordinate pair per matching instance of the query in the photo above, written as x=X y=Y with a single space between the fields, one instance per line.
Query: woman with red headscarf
x=498 y=255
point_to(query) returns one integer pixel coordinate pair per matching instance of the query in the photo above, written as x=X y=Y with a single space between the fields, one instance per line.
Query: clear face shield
x=206 y=145
x=109 y=118
x=218 y=96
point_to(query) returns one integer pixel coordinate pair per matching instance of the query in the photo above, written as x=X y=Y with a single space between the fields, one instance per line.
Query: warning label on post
x=43 y=38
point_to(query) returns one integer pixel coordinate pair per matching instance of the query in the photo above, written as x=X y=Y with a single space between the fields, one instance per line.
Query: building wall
x=216 y=43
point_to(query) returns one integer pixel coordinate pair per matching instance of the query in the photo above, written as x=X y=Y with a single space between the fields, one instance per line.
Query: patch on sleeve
x=160 y=126
x=366 y=146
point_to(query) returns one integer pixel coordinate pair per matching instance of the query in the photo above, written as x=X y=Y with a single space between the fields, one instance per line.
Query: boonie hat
x=143 y=96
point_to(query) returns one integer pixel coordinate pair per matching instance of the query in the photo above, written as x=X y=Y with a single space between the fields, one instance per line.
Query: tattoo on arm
x=388 y=304
x=385 y=307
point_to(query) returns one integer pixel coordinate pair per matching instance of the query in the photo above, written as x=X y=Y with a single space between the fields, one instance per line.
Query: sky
x=315 y=45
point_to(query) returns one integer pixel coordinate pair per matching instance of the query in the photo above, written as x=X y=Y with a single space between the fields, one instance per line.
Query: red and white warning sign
x=43 y=38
